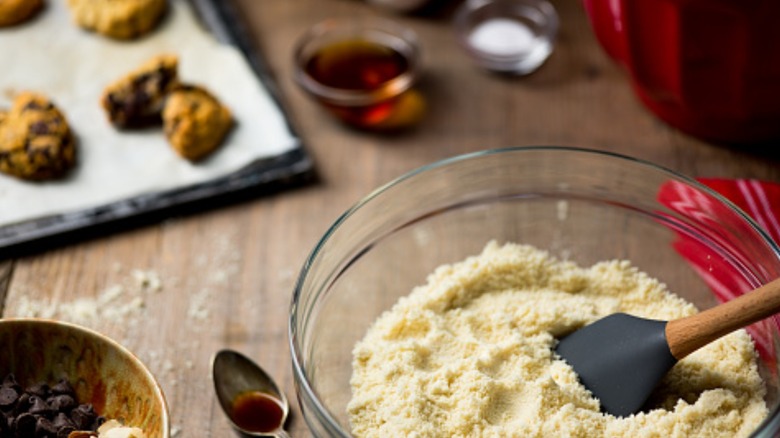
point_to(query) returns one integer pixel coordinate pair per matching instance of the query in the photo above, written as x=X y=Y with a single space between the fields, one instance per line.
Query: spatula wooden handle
x=686 y=335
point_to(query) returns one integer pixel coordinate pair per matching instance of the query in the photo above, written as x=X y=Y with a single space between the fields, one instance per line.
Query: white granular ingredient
x=199 y=302
x=147 y=280
x=122 y=303
x=470 y=354
x=114 y=303
x=562 y=210
x=502 y=37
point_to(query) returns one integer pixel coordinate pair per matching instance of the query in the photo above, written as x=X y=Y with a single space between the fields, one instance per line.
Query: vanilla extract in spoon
x=257 y=411
x=251 y=400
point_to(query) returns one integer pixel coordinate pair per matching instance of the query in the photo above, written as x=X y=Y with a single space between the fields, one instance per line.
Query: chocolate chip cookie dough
x=136 y=100
x=36 y=142
x=17 y=11
x=120 y=19
x=195 y=122
x=470 y=353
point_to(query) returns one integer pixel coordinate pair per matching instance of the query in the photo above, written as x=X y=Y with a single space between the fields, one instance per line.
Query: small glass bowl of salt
x=507 y=36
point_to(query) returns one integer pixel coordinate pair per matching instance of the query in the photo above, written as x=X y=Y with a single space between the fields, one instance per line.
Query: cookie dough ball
x=36 y=142
x=136 y=99
x=120 y=19
x=195 y=122
x=16 y=11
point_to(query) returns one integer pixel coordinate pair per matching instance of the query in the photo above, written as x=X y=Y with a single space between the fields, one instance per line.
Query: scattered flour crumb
x=114 y=303
x=219 y=276
x=562 y=210
x=198 y=309
x=148 y=280
x=123 y=303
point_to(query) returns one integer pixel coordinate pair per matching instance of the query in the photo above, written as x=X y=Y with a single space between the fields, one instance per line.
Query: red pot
x=708 y=67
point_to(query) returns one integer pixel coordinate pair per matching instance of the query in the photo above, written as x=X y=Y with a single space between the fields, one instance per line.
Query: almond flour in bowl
x=471 y=354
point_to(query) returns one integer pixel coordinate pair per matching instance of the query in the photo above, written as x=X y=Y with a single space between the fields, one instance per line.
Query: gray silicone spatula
x=621 y=358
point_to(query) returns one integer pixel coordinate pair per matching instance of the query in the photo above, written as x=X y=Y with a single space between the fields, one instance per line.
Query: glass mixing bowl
x=580 y=205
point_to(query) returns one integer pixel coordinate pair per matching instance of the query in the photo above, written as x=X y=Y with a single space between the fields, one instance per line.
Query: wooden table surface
x=178 y=290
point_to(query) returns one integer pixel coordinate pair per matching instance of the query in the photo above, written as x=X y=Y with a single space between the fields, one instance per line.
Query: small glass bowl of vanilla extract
x=363 y=71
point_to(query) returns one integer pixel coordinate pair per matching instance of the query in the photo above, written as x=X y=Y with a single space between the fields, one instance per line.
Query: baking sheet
x=122 y=174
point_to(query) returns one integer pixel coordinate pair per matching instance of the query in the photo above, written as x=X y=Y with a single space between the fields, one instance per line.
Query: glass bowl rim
x=302 y=381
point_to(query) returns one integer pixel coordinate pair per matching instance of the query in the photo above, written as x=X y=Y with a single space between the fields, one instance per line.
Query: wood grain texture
x=6 y=269
x=226 y=275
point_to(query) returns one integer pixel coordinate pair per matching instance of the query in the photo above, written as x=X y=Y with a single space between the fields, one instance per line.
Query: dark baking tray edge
x=263 y=176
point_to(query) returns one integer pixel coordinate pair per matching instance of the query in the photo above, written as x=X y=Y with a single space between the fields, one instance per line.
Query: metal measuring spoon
x=238 y=379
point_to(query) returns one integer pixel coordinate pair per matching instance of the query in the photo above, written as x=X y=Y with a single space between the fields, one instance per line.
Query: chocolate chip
x=32 y=105
x=40 y=389
x=10 y=382
x=24 y=425
x=8 y=397
x=43 y=412
x=64 y=432
x=83 y=416
x=164 y=77
x=45 y=429
x=139 y=99
x=62 y=420
x=35 y=105
x=22 y=405
x=141 y=79
x=99 y=420
x=62 y=402
x=40 y=128
x=39 y=407
x=63 y=387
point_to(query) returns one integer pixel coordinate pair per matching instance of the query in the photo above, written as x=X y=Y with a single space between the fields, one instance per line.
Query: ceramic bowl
x=102 y=372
